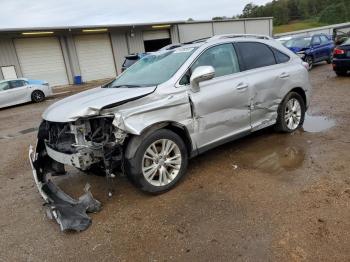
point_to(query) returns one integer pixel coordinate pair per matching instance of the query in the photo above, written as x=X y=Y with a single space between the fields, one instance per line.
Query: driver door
x=221 y=107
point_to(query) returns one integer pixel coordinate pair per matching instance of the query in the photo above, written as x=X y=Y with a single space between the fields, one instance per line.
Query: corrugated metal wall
x=229 y=27
x=174 y=34
x=8 y=55
x=131 y=41
x=72 y=55
x=192 y=31
x=261 y=27
x=120 y=48
x=135 y=42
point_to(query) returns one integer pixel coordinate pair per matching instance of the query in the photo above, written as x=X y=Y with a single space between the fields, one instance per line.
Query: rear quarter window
x=255 y=55
x=280 y=57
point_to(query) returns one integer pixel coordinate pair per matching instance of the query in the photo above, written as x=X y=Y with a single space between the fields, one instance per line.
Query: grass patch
x=296 y=25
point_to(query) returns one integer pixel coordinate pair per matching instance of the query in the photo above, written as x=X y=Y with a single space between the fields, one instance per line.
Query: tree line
x=284 y=11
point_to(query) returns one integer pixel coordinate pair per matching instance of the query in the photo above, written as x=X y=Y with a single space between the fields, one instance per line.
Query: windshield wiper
x=127 y=86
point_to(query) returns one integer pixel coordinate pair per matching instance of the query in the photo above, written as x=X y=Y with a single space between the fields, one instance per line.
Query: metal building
x=58 y=54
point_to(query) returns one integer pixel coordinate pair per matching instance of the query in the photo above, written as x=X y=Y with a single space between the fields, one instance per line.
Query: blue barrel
x=77 y=80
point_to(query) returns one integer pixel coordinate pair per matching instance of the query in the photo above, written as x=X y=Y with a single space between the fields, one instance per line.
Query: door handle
x=284 y=75
x=242 y=86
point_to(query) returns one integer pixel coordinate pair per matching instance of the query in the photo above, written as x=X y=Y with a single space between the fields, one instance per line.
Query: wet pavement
x=266 y=197
x=316 y=124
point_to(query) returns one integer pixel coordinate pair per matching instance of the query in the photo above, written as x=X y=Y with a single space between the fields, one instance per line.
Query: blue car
x=312 y=49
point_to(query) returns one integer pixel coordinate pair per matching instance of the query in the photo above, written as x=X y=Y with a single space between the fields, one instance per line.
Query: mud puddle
x=315 y=124
x=276 y=154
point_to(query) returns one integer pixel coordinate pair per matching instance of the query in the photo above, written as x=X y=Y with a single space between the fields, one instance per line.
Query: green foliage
x=285 y=11
x=296 y=25
x=335 y=13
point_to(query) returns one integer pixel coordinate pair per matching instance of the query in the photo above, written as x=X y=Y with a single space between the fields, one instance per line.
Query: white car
x=22 y=90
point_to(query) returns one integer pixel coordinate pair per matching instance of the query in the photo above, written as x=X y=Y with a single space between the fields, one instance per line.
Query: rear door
x=18 y=90
x=327 y=46
x=5 y=98
x=221 y=107
x=317 y=49
x=265 y=77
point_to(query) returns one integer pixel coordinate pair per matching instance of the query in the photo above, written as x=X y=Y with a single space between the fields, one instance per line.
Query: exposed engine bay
x=84 y=144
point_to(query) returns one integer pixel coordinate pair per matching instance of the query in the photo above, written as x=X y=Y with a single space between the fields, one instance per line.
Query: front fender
x=137 y=116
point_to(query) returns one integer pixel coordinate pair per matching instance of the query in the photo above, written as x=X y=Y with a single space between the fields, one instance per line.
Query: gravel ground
x=267 y=197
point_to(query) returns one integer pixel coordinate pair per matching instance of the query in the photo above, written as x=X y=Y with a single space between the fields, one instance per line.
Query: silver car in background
x=22 y=90
x=168 y=107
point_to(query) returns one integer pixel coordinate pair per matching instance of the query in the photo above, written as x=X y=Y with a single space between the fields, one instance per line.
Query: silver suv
x=171 y=106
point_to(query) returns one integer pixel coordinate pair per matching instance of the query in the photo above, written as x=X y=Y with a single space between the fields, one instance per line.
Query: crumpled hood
x=298 y=49
x=90 y=102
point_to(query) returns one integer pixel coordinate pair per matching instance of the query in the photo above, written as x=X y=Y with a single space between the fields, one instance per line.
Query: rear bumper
x=341 y=64
x=69 y=213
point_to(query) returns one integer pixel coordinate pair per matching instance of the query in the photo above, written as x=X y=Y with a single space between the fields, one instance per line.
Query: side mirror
x=200 y=74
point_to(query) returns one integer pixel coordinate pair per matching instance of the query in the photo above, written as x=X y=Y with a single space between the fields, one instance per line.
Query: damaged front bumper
x=70 y=214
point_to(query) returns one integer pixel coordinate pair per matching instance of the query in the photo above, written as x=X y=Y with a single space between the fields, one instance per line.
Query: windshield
x=298 y=42
x=153 y=69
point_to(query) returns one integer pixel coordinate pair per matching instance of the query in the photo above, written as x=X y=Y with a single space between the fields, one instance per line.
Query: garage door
x=95 y=56
x=155 y=35
x=41 y=58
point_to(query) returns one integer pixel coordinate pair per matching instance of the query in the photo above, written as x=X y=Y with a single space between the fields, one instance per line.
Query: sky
x=42 y=13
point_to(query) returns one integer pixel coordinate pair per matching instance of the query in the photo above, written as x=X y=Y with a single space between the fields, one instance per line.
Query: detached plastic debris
x=70 y=214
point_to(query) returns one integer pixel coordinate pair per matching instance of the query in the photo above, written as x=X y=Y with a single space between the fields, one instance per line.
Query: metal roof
x=15 y=29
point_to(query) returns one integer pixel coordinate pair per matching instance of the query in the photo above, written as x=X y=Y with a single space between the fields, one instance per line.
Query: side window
x=4 y=86
x=316 y=40
x=222 y=57
x=324 y=39
x=16 y=83
x=280 y=57
x=255 y=55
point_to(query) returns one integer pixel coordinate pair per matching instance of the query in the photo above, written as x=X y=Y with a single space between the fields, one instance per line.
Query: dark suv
x=312 y=49
x=341 y=61
x=132 y=59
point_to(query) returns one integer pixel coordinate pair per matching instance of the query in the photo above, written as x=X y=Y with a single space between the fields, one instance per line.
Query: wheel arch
x=36 y=90
x=301 y=92
x=135 y=140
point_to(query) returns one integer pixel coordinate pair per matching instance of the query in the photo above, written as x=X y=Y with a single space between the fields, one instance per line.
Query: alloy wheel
x=292 y=114
x=161 y=162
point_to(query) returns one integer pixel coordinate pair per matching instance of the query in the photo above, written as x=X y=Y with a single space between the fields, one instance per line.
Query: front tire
x=38 y=96
x=291 y=113
x=159 y=162
x=310 y=61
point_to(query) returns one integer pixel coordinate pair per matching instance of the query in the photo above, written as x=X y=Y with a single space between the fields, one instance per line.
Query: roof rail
x=216 y=37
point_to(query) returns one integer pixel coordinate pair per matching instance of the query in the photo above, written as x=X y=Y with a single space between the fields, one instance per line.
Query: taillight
x=338 y=52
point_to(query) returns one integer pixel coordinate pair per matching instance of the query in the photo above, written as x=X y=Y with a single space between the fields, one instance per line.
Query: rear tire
x=291 y=113
x=330 y=59
x=38 y=96
x=159 y=162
